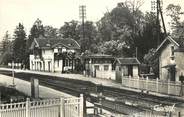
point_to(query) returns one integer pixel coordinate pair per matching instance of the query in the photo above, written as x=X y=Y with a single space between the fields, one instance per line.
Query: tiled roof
x=98 y=56
x=53 y=42
x=128 y=61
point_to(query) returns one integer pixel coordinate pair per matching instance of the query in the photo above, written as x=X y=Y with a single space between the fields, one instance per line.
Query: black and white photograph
x=91 y=58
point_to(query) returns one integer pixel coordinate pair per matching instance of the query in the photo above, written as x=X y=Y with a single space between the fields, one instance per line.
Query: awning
x=169 y=66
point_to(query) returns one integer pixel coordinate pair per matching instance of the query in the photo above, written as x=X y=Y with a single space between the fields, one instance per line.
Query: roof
x=99 y=56
x=43 y=42
x=128 y=61
x=166 y=40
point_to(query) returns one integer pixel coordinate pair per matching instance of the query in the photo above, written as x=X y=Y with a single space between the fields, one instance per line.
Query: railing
x=155 y=85
x=71 y=107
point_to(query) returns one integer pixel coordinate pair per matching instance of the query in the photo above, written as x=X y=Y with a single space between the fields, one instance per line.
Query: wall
x=48 y=57
x=164 y=60
x=179 y=58
x=56 y=67
x=106 y=74
x=135 y=70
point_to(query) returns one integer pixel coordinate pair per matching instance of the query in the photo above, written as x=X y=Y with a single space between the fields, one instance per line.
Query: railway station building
x=171 y=54
x=54 y=54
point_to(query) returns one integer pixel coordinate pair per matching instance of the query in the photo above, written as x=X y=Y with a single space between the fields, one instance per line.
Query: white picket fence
x=155 y=85
x=70 y=107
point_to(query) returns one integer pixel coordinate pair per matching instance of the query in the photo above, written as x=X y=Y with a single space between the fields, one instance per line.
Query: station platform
x=97 y=81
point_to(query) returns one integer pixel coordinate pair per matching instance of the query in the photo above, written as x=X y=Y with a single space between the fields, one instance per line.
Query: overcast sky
x=56 y=12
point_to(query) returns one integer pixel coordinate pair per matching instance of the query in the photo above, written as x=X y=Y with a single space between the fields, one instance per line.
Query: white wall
x=106 y=74
x=48 y=57
x=56 y=67
x=135 y=71
x=164 y=60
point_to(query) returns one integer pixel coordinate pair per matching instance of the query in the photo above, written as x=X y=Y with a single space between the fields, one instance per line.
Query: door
x=49 y=66
x=130 y=70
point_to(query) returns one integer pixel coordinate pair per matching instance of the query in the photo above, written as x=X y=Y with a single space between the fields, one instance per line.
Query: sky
x=56 y=12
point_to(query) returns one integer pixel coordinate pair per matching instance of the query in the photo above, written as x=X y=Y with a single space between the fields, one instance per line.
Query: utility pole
x=82 y=15
x=157 y=9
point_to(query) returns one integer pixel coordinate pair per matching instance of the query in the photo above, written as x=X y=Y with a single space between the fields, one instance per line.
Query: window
x=172 y=51
x=106 y=67
x=96 y=67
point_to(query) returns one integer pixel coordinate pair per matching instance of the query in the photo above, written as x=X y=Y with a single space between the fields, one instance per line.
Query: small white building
x=126 y=67
x=99 y=65
x=54 y=54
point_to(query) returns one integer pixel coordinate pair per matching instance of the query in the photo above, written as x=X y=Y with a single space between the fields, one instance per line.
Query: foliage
x=174 y=12
x=153 y=61
x=19 y=45
x=6 y=41
x=89 y=41
x=74 y=30
x=36 y=31
x=70 y=30
x=124 y=26
x=50 y=32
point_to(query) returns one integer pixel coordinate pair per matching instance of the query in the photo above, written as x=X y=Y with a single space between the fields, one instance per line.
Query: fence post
x=27 y=107
x=147 y=83
x=138 y=82
x=168 y=83
x=62 y=107
x=157 y=85
x=81 y=111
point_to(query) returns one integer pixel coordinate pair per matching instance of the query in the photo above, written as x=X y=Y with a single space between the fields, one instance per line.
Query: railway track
x=76 y=87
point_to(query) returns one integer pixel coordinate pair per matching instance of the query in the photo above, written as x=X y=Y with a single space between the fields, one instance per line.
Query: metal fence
x=155 y=85
x=71 y=107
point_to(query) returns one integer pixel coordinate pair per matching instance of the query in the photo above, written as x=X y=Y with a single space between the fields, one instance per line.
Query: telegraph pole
x=82 y=15
x=157 y=9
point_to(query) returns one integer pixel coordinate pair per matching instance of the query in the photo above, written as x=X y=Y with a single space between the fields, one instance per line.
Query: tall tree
x=50 y=32
x=70 y=30
x=123 y=25
x=19 y=45
x=6 y=41
x=89 y=41
x=36 y=31
x=177 y=25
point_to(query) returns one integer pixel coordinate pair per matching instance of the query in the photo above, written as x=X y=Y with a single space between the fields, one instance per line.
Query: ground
x=9 y=94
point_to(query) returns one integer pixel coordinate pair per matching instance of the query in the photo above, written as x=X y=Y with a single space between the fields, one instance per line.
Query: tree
x=70 y=30
x=50 y=32
x=124 y=26
x=36 y=31
x=89 y=41
x=177 y=26
x=6 y=41
x=19 y=45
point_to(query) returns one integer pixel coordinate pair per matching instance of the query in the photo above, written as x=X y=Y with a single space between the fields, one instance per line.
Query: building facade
x=98 y=62
x=171 y=64
x=54 y=55
x=126 y=67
